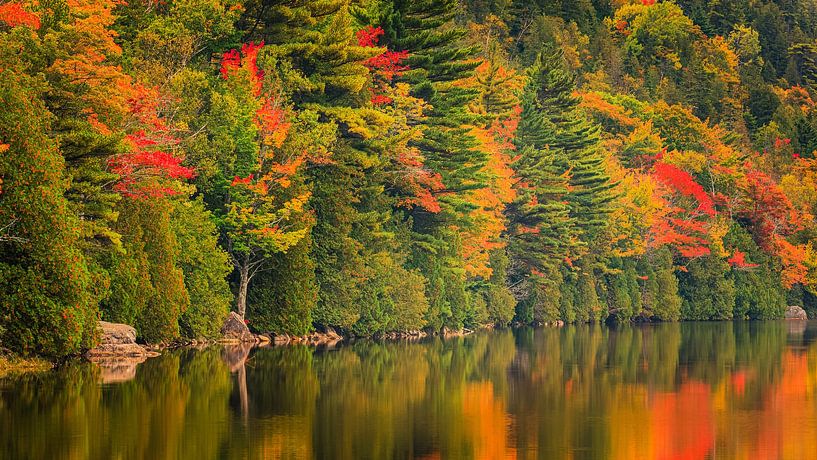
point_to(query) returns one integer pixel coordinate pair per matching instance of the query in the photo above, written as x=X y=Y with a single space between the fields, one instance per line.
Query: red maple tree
x=384 y=67
x=13 y=15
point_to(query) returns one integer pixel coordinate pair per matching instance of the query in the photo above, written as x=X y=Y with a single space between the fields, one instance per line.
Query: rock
x=235 y=329
x=123 y=350
x=118 y=341
x=795 y=312
x=115 y=333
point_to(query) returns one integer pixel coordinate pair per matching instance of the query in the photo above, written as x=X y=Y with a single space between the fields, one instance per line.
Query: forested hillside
x=381 y=166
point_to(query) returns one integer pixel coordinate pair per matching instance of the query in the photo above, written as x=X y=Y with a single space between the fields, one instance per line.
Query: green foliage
x=364 y=170
x=284 y=295
x=499 y=301
x=707 y=289
x=149 y=223
x=759 y=292
x=660 y=299
x=392 y=299
x=205 y=266
x=48 y=294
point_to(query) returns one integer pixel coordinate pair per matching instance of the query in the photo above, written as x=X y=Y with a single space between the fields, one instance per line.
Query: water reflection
x=680 y=391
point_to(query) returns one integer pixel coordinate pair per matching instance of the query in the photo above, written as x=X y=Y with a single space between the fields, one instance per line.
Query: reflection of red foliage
x=683 y=425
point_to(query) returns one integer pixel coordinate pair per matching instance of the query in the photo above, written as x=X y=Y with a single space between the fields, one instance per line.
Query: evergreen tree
x=707 y=289
x=48 y=294
x=576 y=143
x=540 y=228
x=437 y=60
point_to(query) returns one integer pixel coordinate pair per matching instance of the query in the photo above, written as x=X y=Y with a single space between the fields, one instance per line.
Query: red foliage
x=681 y=227
x=648 y=2
x=370 y=36
x=768 y=209
x=683 y=183
x=136 y=170
x=232 y=61
x=780 y=143
x=241 y=180
x=384 y=66
x=738 y=260
x=13 y=15
x=144 y=171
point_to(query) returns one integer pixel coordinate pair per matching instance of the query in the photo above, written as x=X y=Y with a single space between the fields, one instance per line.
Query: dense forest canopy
x=380 y=166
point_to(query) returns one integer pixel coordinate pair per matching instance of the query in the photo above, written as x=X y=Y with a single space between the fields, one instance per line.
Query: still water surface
x=670 y=391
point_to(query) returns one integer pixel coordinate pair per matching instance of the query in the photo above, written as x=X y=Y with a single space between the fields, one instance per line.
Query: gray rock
x=795 y=312
x=118 y=341
x=116 y=334
x=235 y=329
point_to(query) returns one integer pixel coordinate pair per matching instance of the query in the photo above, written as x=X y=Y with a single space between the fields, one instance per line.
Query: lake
x=725 y=390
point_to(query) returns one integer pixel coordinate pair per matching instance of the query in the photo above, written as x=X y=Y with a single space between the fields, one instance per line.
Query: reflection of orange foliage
x=487 y=422
x=683 y=423
x=788 y=428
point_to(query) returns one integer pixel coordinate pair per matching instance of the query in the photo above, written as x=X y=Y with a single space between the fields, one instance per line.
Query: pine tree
x=576 y=143
x=540 y=228
x=437 y=61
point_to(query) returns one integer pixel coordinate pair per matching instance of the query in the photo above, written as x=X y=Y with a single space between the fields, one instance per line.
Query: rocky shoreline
x=119 y=351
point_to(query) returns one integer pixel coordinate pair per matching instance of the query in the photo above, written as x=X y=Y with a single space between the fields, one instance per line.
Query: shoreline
x=12 y=364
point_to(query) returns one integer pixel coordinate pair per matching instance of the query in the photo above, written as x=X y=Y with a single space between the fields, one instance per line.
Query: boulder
x=116 y=334
x=117 y=341
x=236 y=330
x=795 y=312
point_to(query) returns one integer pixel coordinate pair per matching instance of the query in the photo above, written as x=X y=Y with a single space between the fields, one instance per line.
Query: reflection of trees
x=586 y=391
x=66 y=414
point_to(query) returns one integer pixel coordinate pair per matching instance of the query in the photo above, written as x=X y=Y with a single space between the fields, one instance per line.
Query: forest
x=380 y=166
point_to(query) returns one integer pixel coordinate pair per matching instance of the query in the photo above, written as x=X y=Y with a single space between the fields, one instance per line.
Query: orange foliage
x=596 y=104
x=13 y=15
x=488 y=217
x=86 y=59
x=793 y=258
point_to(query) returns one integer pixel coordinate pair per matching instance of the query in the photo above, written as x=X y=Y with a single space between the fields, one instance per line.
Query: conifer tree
x=540 y=228
x=576 y=143
x=48 y=294
x=437 y=61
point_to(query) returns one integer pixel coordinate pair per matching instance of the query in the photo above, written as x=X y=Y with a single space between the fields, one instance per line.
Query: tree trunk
x=241 y=302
